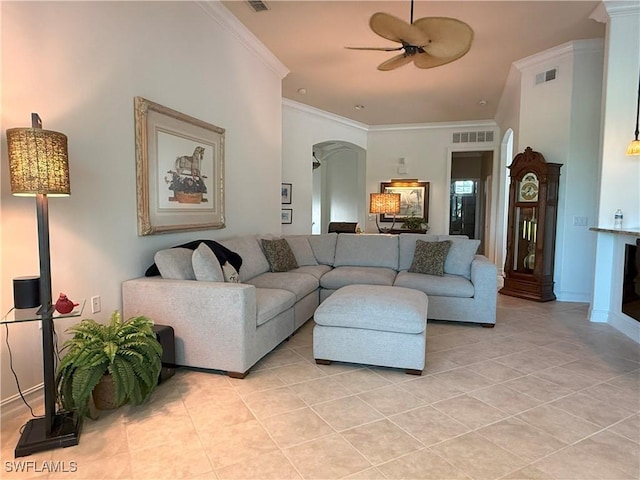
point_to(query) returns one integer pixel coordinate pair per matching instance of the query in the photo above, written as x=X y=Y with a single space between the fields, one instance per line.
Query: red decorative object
x=64 y=305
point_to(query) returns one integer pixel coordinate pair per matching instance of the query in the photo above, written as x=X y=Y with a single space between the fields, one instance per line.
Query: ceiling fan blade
x=396 y=30
x=395 y=62
x=448 y=37
x=383 y=49
x=424 y=60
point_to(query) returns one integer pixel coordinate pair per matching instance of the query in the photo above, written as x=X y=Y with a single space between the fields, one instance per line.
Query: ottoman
x=373 y=325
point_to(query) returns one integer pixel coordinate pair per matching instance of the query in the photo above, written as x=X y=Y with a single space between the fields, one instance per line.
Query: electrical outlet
x=580 y=221
x=95 y=304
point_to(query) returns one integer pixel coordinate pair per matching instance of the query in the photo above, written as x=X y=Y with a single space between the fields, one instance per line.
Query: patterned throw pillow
x=429 y=257
x=279 y=255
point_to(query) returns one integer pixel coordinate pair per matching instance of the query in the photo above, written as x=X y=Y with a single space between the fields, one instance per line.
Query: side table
x=55 y=429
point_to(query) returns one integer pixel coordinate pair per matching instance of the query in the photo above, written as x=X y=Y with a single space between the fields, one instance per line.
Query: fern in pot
x=123 y=357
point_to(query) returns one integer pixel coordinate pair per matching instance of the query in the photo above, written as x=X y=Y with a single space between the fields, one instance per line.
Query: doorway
x=338 y=184
x=469 y=195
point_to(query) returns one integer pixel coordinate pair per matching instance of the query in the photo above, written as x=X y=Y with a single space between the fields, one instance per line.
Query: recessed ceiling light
x=482 y=103
x=302 y=91
x=358 y=107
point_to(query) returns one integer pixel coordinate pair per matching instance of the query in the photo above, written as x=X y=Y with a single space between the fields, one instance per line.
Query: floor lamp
x=38 y=166
x=384 y=203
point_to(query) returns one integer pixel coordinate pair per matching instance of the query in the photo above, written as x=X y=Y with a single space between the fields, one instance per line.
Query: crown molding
x=434 y=125
x=621 y=7
x=566 y=49
x=218 y=12
x=292 y=104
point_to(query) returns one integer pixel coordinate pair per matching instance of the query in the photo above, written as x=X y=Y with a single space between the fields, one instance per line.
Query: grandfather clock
x=531 y=229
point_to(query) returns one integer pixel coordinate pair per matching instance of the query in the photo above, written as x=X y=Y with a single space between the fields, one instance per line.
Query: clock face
x=528 y=191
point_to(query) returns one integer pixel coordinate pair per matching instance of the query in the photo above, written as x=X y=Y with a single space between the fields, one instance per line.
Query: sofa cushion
x=175 y=263
x=407 y=244
x=460 y=256
x=279 y=255
x=341 y=276
x=429 y=257
x=324 y=247
x=300 y=284
x=253 y=260
x=364 y=250
x=446 y=286
x=316 y=270
x=271 y=302
x=302 y=250
x=206 y=266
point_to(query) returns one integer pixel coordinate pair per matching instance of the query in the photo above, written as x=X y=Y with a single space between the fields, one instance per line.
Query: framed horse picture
x=179 y=171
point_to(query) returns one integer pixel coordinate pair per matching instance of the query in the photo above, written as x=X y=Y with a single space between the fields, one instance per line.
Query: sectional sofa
x=230 y=326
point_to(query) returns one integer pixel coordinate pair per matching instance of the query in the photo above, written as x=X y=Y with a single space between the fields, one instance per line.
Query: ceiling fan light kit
x=428 y=42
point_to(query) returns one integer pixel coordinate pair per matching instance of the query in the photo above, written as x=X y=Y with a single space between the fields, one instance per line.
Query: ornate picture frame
x=179 y=171
x=414 y=199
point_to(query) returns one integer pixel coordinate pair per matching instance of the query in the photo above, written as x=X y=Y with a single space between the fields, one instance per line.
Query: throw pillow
x=231 y=275
x=460 y=256
x=302 y=250
x=429 y=257
x=222 y=253
x=206 y=265
x=279 y=255
x=175 y=263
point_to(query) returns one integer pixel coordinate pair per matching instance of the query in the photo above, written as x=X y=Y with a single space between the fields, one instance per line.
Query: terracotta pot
x=104 y=394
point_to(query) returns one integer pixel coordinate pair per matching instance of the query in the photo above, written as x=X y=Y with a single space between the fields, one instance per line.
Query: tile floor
x=543 y=395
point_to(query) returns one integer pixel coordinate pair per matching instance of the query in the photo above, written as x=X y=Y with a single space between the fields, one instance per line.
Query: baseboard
x=14 y=405
x=626 y=325
x=599 y=316
x=573 y=297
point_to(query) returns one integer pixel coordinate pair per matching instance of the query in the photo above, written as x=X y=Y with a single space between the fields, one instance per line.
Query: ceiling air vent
x=472 y=137
x=547 y=76
x=258 y=5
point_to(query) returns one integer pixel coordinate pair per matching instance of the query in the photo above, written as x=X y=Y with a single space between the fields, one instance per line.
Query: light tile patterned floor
x=543 y=395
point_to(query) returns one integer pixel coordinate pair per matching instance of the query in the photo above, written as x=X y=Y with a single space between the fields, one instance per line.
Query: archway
x=338 y=184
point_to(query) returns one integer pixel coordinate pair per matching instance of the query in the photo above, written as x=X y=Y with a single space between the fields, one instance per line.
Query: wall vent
x=547 y=76
x=258 y=5
x=472 y=137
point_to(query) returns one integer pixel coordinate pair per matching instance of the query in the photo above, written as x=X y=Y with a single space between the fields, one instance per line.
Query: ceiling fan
x=428 y=42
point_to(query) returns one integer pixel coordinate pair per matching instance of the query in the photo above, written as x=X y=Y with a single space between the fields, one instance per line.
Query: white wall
x=79 y=65
x=426 y=150
x=620 y=174
x=561 y=119
x=303 y=127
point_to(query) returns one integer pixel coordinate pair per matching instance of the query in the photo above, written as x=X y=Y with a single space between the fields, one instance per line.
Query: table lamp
x=384 y=203
x=38 y=166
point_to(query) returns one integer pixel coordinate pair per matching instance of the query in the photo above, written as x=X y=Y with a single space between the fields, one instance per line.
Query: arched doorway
x=338 y=184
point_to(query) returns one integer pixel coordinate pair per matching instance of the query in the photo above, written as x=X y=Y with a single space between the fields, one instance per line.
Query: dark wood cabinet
x=531 y=228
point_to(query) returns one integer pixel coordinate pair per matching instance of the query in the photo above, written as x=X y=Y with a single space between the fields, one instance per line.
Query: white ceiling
x=309 y=37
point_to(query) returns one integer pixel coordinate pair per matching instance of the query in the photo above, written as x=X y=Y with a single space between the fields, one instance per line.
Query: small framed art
x=286 y=194
x=287 y=216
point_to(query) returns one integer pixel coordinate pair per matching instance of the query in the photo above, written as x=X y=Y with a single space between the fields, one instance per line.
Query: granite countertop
x=617 y=231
